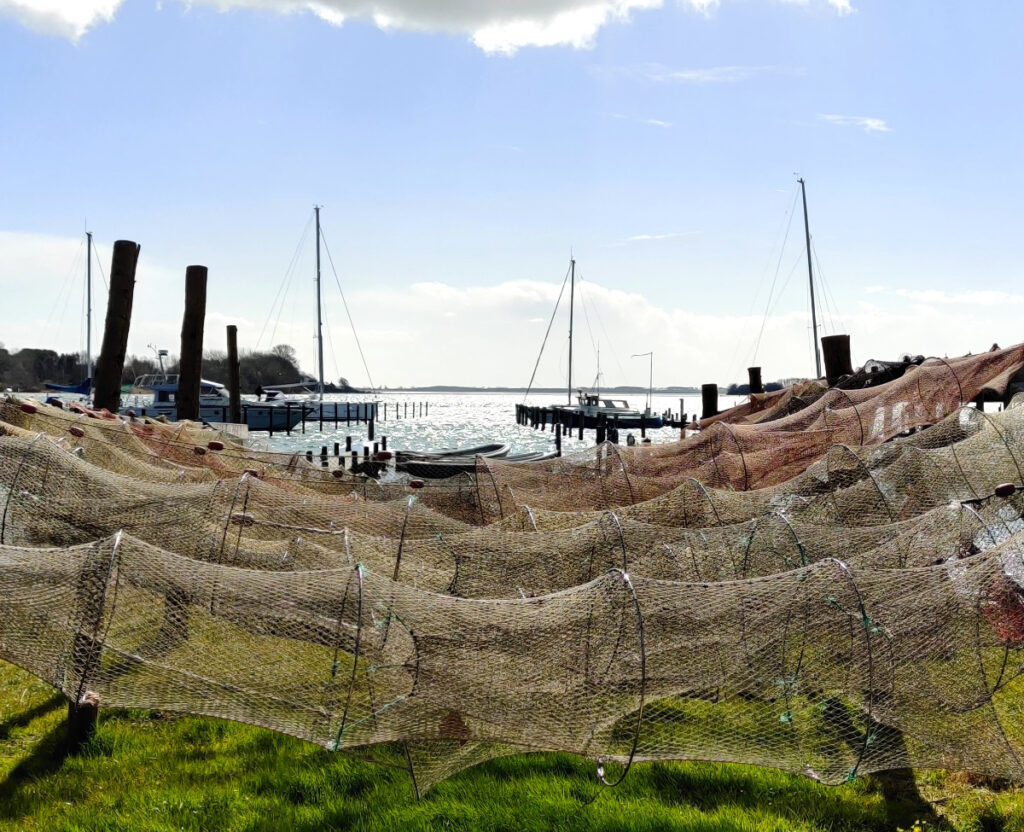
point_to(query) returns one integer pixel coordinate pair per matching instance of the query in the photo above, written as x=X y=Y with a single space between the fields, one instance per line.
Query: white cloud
x=661 y=74
x=869 y=125
x=842 y=7
x=66 y=18
x=978 y=297
x=638 y=237
x=500 y=326
x=654 y=122
x=643 y=238
x=496 y=26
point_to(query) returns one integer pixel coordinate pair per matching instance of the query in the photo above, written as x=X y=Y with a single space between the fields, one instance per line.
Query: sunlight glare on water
x=461 y=420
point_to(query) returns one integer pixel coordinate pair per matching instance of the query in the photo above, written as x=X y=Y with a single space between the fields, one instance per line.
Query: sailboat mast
x=572 y=303
x=810 y=278
x=88 y=304
x=319 y=312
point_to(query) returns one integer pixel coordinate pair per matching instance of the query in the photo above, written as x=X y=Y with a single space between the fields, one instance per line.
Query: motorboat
x=214 y=404
x=597 y=410
x=317 y=408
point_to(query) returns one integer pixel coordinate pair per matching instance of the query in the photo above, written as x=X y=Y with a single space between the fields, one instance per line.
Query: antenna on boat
x=572 y=298
x=810 y=277
x=319 y=316
x=88 y=305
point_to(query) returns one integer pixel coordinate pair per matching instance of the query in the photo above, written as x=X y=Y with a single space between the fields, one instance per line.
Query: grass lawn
x=153 y=771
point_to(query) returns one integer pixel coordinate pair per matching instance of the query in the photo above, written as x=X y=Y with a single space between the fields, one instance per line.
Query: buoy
x=382 y=455
x=199 y=451
x=338 y=473
x=215 y=445
x=415 y=483
x=74 y=430
x=29 y=408
x=1006 y=489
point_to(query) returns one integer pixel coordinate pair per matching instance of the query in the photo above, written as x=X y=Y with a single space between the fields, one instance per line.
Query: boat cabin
x=165 y=386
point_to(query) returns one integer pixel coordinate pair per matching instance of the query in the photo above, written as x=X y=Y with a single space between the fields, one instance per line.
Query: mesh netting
x=792 y=591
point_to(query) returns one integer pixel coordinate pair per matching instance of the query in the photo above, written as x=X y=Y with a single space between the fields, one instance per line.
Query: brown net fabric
x=862 y=613
x=745 y=456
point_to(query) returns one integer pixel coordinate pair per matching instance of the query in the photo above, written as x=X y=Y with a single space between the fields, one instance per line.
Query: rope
x=352 y=323
x=546 y=334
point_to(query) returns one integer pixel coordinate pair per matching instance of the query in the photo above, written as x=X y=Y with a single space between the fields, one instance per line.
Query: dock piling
x=110 y=364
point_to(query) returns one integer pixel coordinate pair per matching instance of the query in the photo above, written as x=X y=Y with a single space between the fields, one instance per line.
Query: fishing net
x=748 y=455
x=828 y=670
x=798 y=594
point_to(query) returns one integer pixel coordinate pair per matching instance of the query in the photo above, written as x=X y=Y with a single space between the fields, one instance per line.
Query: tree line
x=30 y=368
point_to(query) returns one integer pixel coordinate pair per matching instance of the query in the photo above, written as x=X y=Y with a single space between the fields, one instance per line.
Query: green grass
x=162 y=772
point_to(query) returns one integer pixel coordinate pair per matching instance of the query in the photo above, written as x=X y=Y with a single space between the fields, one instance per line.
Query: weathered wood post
x=754 y=375
x=83 y=716
x=110 y=364
x=234 y=376
x=709 y=400
x=190 y=363
x=558 y=443
x=837 y=357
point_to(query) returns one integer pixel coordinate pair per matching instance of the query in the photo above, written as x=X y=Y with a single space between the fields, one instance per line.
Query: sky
x=464 y=150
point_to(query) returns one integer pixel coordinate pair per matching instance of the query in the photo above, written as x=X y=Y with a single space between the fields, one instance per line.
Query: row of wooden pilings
x=565 y=422
x=374 y=459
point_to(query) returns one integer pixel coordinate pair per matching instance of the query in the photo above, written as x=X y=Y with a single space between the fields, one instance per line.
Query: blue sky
x=459 y=164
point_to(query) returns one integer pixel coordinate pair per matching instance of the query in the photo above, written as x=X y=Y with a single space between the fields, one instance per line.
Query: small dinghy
x=493 y=450
x=442 y=467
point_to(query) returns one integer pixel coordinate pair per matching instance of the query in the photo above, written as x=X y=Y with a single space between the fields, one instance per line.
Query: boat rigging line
x=548 y=331
x=827 y=293
x=775 y=277
x=348 y=313
x=283 y=288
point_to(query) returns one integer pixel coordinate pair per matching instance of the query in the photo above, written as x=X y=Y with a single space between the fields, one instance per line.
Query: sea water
x=462 y=420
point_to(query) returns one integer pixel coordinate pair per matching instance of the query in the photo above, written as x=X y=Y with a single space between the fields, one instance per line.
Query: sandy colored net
x=828 y=670
x=861 y=613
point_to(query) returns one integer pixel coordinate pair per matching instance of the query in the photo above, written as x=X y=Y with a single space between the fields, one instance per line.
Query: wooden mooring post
x=234 y=376
x=190 y=361
x=709 y=400
x=110 y=364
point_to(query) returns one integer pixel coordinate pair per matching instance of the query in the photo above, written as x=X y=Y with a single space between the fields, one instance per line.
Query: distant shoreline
x=611 y=391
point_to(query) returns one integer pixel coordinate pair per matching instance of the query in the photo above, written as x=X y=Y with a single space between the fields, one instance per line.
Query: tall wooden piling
x=110 y=364
x=234 y=376
x=837 y=357
x=709 y=400
x=754 y=375
x=191 y=361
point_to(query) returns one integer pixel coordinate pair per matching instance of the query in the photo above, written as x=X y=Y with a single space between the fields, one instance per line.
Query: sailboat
x=84 y=387
x=314 y=403
x=594 y=407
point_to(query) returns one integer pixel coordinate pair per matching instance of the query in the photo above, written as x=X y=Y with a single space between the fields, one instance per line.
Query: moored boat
x=214 y=404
